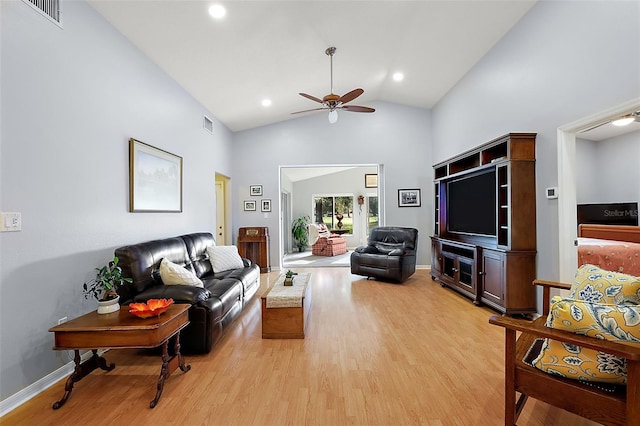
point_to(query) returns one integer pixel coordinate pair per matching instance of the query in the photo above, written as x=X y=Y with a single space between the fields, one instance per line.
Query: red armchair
x=323 y=243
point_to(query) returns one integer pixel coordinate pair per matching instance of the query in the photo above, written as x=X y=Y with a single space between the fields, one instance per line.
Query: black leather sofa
x=213 y=307
x=390 y=254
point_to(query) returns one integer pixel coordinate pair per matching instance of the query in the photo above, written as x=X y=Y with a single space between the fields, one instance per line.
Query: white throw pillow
x=223 y=258
x=173 y=274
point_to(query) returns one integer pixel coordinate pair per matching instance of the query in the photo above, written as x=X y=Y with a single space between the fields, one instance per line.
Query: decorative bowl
x=153 y=307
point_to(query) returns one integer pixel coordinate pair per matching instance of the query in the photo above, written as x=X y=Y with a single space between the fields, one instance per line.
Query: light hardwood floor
x=375 y=354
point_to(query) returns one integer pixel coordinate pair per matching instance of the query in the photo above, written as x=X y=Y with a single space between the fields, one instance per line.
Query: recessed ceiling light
x=266 y=102
x=217 y=11
x=398 y=76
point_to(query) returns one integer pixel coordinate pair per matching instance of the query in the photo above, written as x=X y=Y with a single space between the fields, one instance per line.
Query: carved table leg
x=168 y=365
x=80 y=371
x=181 y=363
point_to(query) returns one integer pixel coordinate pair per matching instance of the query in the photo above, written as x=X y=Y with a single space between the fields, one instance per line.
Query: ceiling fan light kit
x=623 y=121
x=333 y=102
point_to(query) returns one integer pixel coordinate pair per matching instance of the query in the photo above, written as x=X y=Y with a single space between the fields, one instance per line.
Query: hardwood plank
x=374 y=353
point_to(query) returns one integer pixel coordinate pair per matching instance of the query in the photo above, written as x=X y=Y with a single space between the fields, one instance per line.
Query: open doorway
x=567 y=182
x=345 y=198
x=222 y=211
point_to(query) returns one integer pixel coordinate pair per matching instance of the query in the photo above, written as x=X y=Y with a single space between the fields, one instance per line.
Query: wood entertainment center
x=485 y=247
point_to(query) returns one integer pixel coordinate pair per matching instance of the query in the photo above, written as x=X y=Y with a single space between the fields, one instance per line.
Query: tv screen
x=608 y=214
x=471 y=204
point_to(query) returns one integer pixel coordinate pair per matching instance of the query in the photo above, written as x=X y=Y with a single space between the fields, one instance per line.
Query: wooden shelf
x=503 y=265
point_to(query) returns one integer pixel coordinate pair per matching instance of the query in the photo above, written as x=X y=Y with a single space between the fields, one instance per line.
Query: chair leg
x=510 y=410
x=633 y=390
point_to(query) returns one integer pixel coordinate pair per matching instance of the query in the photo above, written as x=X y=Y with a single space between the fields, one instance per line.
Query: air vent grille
x=208 y=124
x=49 y=8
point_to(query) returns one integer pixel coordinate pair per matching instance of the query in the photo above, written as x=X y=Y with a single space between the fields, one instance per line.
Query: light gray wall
x=396 y=136
x=561 y=62
x=608 y=171
x=348 y=182
x=587 y=180
x=71 y=98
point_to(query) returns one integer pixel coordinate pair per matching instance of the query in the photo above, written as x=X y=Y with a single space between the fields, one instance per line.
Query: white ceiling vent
x=208 y=124
x=48 y=8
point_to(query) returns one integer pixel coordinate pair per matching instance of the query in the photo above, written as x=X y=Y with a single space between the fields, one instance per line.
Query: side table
x=120 y=330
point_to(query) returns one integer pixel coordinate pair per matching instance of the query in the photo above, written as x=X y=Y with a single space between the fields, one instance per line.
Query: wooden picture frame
x=409 y=198
x=249 y=205
x=155 y=179
x=255 y=190
x=265 y=205
x=370 y=180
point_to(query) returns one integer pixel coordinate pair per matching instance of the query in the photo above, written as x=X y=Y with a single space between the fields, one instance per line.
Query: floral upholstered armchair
x=583 y=354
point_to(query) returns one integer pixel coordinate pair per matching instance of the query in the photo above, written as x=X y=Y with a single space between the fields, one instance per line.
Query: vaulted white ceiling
x=275 y=49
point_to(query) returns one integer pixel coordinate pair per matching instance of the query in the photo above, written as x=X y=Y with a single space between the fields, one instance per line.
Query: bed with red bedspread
x=611 y=247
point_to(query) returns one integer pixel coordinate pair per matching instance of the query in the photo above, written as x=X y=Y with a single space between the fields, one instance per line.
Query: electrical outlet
x=62 y=320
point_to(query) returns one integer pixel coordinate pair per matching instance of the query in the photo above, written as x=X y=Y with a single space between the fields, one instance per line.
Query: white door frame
x=567 y=198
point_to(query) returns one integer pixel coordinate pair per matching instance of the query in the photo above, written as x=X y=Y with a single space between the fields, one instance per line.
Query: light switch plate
x=10 y=221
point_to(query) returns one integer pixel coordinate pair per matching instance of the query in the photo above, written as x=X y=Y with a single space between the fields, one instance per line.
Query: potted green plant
x=288 y=277
x=300 y=232
x=105 y=285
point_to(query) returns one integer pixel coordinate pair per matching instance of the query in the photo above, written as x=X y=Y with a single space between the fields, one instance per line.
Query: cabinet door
x=436 y=259
x=449 y=267
x=466 y=274
x=493 y=277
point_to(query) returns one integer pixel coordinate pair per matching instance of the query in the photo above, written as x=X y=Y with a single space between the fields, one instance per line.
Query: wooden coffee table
x=120 y=330
x=287 y=319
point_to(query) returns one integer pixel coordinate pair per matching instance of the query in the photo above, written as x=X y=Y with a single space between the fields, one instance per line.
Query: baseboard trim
x=24 y=395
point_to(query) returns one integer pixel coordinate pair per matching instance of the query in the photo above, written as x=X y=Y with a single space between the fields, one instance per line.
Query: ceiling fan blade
x=356 y=108
x=313 y=98
x=308 y=110
x=348 y=97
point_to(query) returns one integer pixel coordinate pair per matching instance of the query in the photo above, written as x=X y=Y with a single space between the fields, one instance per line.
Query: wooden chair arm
x=537 y=328
x=546 y=295
x=552 y=284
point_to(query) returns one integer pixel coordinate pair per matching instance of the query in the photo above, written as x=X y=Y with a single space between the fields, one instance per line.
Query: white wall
x=561 y=62
x=608 y=171
x=586 y=157
x=396 y=136
x=71 y=98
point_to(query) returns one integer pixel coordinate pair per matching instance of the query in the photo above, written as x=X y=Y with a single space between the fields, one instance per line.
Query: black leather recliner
x=390 y=254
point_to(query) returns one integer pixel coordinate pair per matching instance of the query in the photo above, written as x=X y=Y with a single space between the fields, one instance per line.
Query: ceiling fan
x=333 y=102
x=619 y=121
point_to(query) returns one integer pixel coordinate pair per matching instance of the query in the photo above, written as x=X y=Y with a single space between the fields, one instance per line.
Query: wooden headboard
x=610 y=232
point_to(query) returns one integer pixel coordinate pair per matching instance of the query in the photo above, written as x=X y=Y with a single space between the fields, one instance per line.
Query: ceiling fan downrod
x=330 y=51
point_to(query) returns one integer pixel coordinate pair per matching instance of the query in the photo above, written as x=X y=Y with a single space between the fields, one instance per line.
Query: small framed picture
x=265 y=205
x=370 y=181
x=408 y=198
x=249 y=206
x=255 y=190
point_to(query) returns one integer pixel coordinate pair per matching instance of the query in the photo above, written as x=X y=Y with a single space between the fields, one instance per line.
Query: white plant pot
x=108 y=306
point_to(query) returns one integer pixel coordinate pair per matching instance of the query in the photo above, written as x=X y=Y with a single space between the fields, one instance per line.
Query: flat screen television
x=609 y=214
x=471 y=204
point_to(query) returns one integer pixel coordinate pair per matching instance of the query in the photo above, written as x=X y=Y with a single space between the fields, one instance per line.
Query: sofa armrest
x=179 y=293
